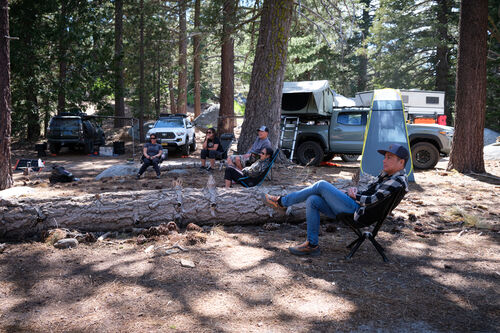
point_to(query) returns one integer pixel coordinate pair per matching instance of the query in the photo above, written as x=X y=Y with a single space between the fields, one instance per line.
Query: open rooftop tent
x=386 y=125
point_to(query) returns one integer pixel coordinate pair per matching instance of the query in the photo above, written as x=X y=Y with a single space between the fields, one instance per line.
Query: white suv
x=174 y=130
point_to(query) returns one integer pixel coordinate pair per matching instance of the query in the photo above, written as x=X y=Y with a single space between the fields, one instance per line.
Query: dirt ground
x=443 y=274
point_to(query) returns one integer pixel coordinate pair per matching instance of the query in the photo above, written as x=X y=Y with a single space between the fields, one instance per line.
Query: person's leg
x=338 y=201
x=204 y=153
x=227 y=183
x=212 y=155
x=146 y=163
x=237 y=161
x=155 y=162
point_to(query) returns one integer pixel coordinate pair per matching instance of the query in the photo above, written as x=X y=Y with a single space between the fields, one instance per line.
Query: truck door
x=347 y=132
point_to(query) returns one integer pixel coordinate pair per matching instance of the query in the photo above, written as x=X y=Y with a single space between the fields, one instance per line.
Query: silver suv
x=174 y=131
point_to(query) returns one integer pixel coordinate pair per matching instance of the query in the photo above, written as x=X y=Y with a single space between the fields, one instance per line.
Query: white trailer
x=418 y=104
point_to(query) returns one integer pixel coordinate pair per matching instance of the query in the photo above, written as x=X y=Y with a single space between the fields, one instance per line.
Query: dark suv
x=75 y=131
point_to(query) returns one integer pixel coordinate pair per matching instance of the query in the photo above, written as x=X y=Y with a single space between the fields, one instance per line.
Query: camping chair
x=226 y=140
x=374 y=214
x=257 y=181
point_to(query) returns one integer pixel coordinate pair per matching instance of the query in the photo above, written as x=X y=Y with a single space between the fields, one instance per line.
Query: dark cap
x=397 y=150
x=263 y=129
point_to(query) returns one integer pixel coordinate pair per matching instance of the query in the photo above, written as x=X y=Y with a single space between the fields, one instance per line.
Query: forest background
x=71 y=54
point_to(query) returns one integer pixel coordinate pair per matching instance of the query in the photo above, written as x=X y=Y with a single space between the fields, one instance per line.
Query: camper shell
x=420 y=106
x=307 y=98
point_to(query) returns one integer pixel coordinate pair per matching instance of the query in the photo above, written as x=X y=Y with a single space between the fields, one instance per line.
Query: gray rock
x=118 y=170
x=207 y=118
x=66 y=243
x=178 y=171
x=187 y=263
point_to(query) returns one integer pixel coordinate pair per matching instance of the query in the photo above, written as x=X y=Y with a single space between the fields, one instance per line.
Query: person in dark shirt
x=253 y=171
x=325 y=198
x=151 y=152
x=212 y=149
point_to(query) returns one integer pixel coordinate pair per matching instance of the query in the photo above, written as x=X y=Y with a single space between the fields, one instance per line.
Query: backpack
x=60 y=175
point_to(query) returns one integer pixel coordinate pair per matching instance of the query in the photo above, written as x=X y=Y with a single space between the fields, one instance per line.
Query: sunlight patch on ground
x=312 y=303
x=125 y=267
x=216 y=304
x=242 y=257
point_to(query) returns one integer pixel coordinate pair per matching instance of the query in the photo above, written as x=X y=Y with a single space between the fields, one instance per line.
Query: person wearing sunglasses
x=151 y=155
x=212 y=149
x=262 y=141
x=232 y=174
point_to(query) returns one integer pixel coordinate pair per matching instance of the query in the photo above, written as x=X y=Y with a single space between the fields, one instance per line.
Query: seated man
x=255 y=170
x=212 y=149
x=151 y=155
x=325 y=198
x=240 y=161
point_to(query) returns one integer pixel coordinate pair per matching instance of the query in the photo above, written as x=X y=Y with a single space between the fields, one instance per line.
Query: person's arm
x=216 y=145
x=145 y=152
x=386 y=188
x=205 y=143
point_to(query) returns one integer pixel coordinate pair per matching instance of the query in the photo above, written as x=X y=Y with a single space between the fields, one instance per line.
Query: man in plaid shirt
x=325 y=198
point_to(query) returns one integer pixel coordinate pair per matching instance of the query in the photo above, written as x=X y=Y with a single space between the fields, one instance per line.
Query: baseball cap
x=397 y=150
x=263 y=129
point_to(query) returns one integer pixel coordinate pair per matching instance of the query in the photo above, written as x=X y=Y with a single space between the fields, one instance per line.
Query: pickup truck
x=322 y=136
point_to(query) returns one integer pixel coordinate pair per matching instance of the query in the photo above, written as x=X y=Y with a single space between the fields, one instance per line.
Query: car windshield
x=67 y=123
x=173 y=122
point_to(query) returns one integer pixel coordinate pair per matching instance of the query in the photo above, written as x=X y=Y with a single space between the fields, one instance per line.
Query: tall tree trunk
x=182 y=93
x=157 y=83
x=442 y=56
x=470 y=98
x=225 y=122
x=196 y=59
x=363 y=59
x=171 y=93
x=119 y=83
x=62 y=59
x=266 y=85
x=141 y=73
x=5 y=112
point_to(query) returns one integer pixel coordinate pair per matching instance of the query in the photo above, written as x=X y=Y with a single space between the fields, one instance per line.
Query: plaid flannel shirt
x=378 y=190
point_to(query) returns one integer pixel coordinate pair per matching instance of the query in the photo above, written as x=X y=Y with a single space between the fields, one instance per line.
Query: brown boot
x=305 y=249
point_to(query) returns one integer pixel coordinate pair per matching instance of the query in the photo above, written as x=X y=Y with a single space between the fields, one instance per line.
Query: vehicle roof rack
x=166 y=115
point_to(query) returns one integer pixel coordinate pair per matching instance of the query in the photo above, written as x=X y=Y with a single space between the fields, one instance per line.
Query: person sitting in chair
x=212 y=149
x=325 y=198
x=240 y=161
x=255 y=170
x=151 y=155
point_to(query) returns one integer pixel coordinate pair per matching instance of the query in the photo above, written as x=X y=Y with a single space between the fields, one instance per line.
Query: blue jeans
x=320 y=197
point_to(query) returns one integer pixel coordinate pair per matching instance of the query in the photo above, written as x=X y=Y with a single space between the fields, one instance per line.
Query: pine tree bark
x=442 y=56
x=196 y=59
x=264 y=98
x=363 y=59
x=118 y=62
x=5 y=98
x=182 y=85
x=225 y=123
x=62 y=59
x=141 y=73
x=470 y=98
x=171 y=93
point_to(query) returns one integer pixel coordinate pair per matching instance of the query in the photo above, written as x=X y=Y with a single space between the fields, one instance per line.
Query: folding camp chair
x=226 y=140
x=374 y=214
x=257 y=181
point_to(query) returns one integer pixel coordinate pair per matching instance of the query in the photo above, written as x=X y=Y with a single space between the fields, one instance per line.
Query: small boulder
x=187 y=263
x=194 y=227
x=66 y=243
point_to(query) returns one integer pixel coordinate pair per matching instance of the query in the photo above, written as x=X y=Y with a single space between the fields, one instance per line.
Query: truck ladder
x=289 y=125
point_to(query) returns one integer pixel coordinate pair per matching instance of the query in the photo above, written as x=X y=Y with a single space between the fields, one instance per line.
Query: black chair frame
x=374 y=214
x=226 y=140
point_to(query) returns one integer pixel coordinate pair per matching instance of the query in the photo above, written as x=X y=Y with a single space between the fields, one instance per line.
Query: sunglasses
x=210 y=132
x=153 y=138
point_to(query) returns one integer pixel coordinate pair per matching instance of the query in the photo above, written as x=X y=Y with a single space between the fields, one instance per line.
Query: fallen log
x=22 y=217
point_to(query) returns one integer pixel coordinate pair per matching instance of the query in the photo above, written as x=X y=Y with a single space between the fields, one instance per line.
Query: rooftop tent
x=306 y=97
x=386 y=125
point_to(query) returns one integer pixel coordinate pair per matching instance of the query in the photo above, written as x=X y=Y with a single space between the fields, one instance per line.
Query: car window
x=67 y=123
x=174 y=122
x=352 y=118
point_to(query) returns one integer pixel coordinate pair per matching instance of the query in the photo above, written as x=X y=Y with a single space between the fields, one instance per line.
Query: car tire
x=349 y=157
x=55 y=148
x=425 y=155
x=328 y=157
x=193 y=145
x=185 y=148
x=310 y=153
